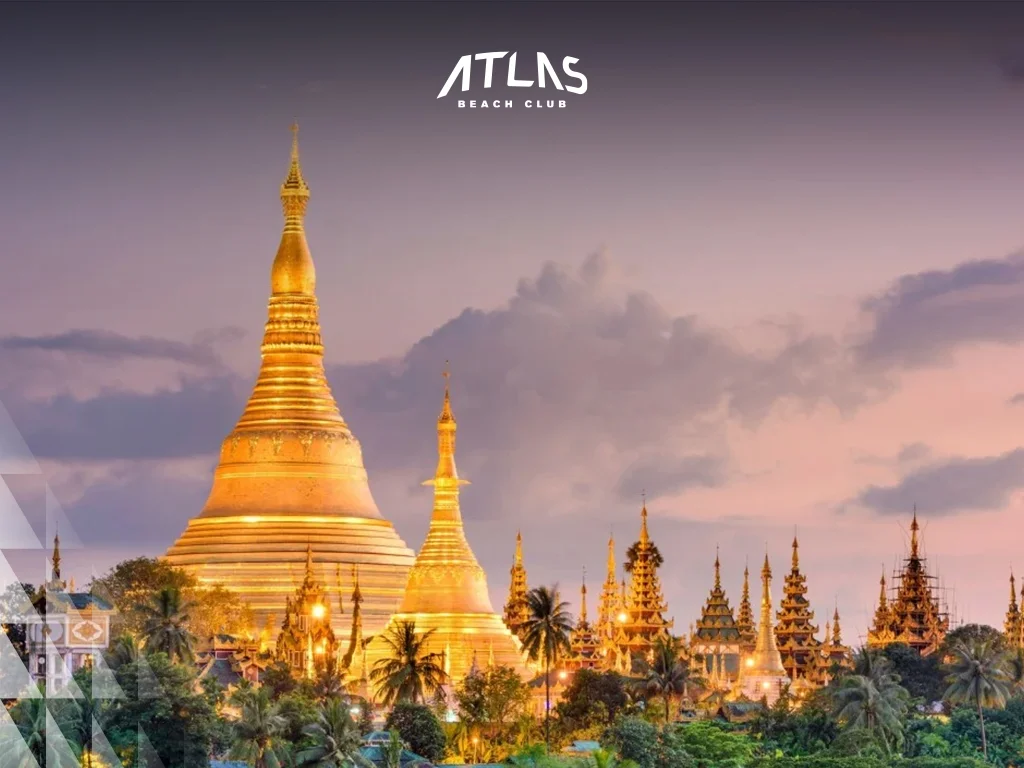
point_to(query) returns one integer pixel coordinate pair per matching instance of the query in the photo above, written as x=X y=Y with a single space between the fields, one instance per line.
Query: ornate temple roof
x=717 y=625
x=745 y=616
x=794 y=631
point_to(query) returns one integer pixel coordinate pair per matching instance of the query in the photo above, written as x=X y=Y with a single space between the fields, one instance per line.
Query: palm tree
x=545 y=638
x=409 y=672
x=979 y=675
x=666 y=674
x=165 y=624
x=605 y=759
x=26 y=744
x=392 y=751
x=124 y=650
x=258 y=725
x=337 y=740
x=872 y=699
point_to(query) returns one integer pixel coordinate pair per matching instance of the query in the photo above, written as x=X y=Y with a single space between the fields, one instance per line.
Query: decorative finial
x=718 y=570
x=294 y=191
x=56 y=555
x=446 y=410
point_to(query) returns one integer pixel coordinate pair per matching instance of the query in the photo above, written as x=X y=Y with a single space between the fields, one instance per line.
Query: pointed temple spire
x=763 y=672
x=446 y=593
x=644 y=535
x=645 y=603
x=1012 y=625
x=718 y=570
x=716 y=637
x=745 y=617
x=584 y=640
x=583 y=598
x=291 y=468
x=517 y=608
x=355 y=641
x=55 y=575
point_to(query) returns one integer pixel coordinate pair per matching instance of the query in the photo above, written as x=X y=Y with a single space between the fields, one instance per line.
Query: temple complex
x=763 y=674
x=794 y=632
x=447 y=589
x=517 y=610
x=1012 y=627
x=307 y=641
x=716 y=638
x=913 y=616
x=644 y=603
x=291 y=472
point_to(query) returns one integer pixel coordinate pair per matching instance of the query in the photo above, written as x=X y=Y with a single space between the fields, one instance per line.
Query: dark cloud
x=669 y=475
x=1017 y=399
x=951 y=487
x=117 y=347
x=923 y=318
x=912 y=453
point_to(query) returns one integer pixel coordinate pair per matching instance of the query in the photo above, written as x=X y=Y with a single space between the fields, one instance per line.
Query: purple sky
x=765 y=267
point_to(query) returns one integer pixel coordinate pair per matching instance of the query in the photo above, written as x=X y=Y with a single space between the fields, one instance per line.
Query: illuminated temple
x=290 y=477
x=447 y=589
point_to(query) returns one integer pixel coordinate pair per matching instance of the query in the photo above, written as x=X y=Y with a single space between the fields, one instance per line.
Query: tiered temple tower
x=763 y=675
x=447 y=588
x=834 y=654
x=517 y=609
x=645 y=604
x=916 y=618
x=745 y=618
x=716 y=638
x=1012 y=626
x=794 y=632
x=612 y=618
x=881 y=634
x=291 y=472
x=584 y=641
x=307 y=641
x=353 y=664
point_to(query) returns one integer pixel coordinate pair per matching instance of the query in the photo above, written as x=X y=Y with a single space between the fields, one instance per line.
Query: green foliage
x=165 y=624
x=657 y=560
x=334 y=739
x=299 y=710
x=635 y=739
x=492 y=701
x=708 y=744
x=922 y=676
x=822 y=761
x=591 y=698
x=409 y=672
x=179 y=723
x=794 y=732
x=419 y=729
x=970 y=634
x=980 y=676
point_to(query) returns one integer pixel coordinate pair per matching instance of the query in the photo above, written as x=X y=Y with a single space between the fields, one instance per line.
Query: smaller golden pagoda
x=353 y=663
x=307 y=640
x=763 y=674
x=584 y=641
x=1011 y=626
x=880 y=635
x=794 y=632
x=517 y=609
x=645 y=604
x=716 y=638
x=612 y=617
x=916 y=617
x=745 y=618
x=834 y=654
x=447 y=591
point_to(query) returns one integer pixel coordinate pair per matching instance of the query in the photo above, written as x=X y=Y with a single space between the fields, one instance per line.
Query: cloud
x=1017 y=399
x=117 y=347
x=923 y=318
x=951 y=487
x=669 y=475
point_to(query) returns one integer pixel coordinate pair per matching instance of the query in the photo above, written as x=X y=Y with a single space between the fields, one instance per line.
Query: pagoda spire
x=795 y=633
x=446 y=480
x=1012 y=626
x=745 y=616
x=718 y=570
x=517 y=609
x=914 y=528
x=716 y=633
x=355 y=642
x=55 y=561
x=645 y=604
x=583 y=599
x=763 y=674
x=645 y=537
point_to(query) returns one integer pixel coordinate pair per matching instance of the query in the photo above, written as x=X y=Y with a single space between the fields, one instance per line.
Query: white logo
x=575 y=82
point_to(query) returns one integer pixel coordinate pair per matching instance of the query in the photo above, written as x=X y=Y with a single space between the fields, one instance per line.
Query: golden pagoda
x=916 y=618
x=1012 y=625
x=716 y=637
x=834 y=654
x=881 y=634
x=644 y=604
x=763 y=675
x=745 y=618
x=793 y=631
x=517 y=609
x=291 y=472
x=612 y=617
x=353 y=663
x=307 y=641
x=584 y=640
x=447 y=589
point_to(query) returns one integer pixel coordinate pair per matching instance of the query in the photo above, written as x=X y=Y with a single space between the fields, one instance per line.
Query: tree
x=708 y=744
x=492 y=700
x=419 y=728
x=979 y=675
x=632 y=553
x=15 y=608
x=258 y=727
x=166 y=619
x=336 y=739
x=665 y=675
x=29 y=717
x=545 y=638
x=970 y=634
x=873 y=700
x=160 y=701
x=409 y=672
x=922 y=676
x=592 y=698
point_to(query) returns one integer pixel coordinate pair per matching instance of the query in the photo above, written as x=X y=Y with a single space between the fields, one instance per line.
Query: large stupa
x=447 y=589
x=291 y=476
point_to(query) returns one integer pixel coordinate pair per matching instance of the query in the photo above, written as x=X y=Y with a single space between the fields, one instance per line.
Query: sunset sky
x=767 y=268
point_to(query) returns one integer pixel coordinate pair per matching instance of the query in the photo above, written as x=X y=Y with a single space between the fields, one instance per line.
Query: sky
x=767 y=268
